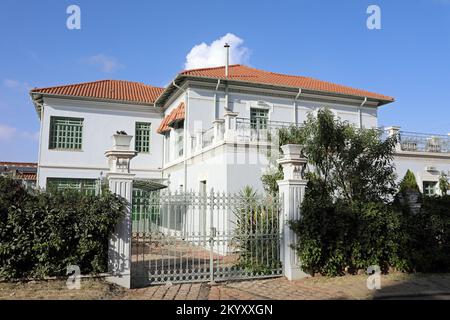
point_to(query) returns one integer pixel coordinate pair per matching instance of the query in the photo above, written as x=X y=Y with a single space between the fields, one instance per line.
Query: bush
x=409 y=183
x=335 y=237
x=428 y=236
x=42 y=233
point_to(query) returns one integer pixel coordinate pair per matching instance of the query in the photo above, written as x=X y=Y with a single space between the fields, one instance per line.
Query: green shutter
x=258 y=118
x=142 y=137
x=66 y=133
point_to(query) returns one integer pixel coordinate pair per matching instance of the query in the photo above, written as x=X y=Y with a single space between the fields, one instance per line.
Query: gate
x=196 y=237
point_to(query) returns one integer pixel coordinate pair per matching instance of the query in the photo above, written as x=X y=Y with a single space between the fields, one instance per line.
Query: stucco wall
x=101 y=121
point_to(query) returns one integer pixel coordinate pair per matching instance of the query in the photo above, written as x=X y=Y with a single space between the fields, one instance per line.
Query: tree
x=444 y=185
x=409 y=183
x=354 y=164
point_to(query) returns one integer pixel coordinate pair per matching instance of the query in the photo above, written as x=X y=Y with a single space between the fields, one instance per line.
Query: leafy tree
x=409 y=183
x=354 y=164
x=444 y=185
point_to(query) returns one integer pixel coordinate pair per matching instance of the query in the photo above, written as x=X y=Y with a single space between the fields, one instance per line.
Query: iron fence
x=194 y=237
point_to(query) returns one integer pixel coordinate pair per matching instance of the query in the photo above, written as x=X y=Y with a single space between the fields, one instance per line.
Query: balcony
x=421 y=142
x=232 y=129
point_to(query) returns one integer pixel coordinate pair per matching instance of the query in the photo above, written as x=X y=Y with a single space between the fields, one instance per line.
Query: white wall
x=418 y=166
x=101 y=121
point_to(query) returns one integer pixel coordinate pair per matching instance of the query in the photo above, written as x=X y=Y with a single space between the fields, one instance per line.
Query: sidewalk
x=393 y=286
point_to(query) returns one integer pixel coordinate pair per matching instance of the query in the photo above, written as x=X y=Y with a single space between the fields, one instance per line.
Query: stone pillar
x=395 y=131
x=230 y=125
x=198 y=140
x=292 y=190
x=218 y=135
x=121 y=183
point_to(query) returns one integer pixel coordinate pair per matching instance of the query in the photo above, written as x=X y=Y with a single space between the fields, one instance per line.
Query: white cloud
x=214 y=54
x=106 y=64
x=10 y=83
x=16 y=85
x=8 y=133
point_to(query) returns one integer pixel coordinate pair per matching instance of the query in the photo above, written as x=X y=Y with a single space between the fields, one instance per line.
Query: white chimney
x=227 y=46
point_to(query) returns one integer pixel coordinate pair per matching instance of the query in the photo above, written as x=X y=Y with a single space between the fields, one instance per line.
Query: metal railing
x=258 y=132
x=422 y=142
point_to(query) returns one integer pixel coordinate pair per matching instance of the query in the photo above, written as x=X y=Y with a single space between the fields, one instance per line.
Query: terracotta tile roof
x=163 y=127
x=107 y=89
x=18 y=164
x=247 y=74
x=177 y=114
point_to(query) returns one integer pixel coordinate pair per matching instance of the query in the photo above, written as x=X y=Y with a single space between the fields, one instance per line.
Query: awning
x=174 y=116
x=148 y=184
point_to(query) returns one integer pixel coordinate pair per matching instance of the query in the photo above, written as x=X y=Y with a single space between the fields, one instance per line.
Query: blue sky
x=148 y=41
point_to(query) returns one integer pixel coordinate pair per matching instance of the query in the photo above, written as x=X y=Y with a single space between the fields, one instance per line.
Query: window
x=258 y=118
x=87 y=186
x=142 y=137
x=66 y=133
x=429 y=188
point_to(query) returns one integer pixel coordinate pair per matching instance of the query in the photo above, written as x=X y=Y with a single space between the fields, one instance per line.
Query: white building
x=210 y=128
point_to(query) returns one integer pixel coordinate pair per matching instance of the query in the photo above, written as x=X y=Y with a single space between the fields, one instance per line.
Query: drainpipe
x=360 y=112
x=185 y=140
x=41 y=116
x=295 y=105
x=227 y=47
x=216 y=113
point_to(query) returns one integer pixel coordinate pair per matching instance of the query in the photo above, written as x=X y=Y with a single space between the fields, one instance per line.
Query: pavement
x=350 y=287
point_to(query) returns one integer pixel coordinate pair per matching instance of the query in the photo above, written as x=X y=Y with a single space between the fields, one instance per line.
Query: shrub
x=42 y=233
x=409 y=183
x=338 y=236
x=444 y=185
x=256 y=232
x=428 y=236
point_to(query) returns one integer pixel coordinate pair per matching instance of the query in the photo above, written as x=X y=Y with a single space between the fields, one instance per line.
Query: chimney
x=227 y=46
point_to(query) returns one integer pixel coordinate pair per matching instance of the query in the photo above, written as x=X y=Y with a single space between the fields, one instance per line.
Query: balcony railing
x=421 y=142
x=262 y=131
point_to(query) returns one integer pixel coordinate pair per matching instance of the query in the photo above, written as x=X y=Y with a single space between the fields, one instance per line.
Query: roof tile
x=247 y=74
x=107 y=89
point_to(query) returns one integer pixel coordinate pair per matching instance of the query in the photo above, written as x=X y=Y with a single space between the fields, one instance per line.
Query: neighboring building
x=25 y=171
x=209 y=128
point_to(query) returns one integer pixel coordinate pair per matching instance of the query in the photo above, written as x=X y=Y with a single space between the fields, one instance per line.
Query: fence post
x=121 y=183
x=292 y=190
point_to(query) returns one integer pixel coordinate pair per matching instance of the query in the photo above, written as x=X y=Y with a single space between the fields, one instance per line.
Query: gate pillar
x=292 y=190
x=120 y=182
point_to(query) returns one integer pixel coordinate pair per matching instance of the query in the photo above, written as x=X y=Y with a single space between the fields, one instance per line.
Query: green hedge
x=42 y=233
x=336 y=237
x=339 y=237
x=427 y=247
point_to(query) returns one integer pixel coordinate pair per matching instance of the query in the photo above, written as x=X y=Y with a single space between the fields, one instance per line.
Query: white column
x=292 y=190
x=198 y=140
x=121 y=183
x=230 y=125
x=217 y=132
x=392 y=132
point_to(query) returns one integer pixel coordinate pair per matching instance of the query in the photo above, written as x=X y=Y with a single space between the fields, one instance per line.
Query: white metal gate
x=194 y=237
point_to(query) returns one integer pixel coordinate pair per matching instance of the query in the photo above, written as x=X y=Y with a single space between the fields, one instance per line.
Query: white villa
x=210 y=128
